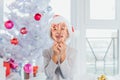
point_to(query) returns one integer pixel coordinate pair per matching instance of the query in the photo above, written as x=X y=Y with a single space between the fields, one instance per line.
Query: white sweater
x=63 y=71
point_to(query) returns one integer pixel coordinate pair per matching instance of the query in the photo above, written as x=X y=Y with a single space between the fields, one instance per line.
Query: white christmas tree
x=25 y=31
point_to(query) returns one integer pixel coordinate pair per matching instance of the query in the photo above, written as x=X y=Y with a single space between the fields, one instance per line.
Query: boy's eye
x=63 y=24
x=54 y=25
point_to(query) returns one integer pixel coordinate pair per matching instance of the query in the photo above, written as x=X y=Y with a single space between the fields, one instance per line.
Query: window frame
x=110 y=23
x=80 y=18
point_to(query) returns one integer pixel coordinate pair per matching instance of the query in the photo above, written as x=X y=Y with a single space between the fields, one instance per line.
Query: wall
x=80 y=19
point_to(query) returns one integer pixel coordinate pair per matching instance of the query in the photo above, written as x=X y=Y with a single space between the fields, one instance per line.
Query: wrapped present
x=102 y=77
x=7 y=65
x=27 y=70
x=13 y=64
x=35 y=70
x=26 y=75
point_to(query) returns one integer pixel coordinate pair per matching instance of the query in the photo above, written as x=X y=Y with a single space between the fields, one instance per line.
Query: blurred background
x=97 y=25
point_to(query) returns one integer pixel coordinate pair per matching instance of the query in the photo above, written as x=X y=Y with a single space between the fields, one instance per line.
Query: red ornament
x=37 y=16
x=72 y=29
x=14 y=41
x=9 y=24
x=13 y=64
x=23 y=30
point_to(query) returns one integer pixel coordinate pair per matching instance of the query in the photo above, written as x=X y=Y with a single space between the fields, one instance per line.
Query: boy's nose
x=59 y=31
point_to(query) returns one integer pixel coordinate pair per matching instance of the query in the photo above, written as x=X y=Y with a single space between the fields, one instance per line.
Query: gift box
x=8 y=70
x=26 y=75
x=27 y=70
x=102 y=77
x=35 y=70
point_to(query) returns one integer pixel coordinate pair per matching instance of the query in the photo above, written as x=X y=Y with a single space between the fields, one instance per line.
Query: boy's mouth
x=59 y=37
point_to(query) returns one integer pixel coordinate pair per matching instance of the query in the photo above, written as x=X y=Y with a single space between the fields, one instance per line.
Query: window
x=102 y=51
x=102 y=9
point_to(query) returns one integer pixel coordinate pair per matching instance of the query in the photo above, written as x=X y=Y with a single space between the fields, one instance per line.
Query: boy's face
x=59 y=32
